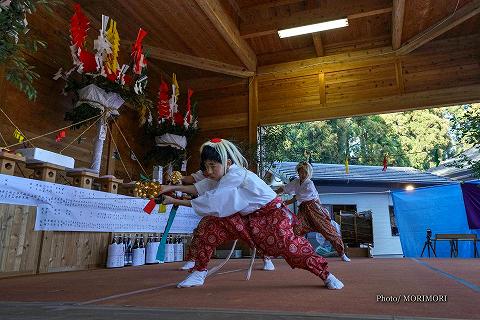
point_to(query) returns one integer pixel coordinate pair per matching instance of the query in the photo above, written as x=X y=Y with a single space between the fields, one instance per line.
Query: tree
x=14 y=41
x=416 y=138
x=466 y=128
x=424 y=135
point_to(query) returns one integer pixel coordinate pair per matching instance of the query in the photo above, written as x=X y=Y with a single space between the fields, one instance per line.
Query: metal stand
x=428 y=245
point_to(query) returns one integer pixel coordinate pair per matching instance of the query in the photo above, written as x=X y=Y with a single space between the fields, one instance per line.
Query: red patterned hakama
x=268 y=229
x=313 y=217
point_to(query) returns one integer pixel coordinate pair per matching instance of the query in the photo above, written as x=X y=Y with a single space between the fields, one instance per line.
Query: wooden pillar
x=252 y=110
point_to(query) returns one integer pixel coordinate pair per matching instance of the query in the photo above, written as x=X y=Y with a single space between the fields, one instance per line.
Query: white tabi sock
x=333 y=283
x=268 y=264
x=195 y=279
x=188 y=265
x=345 y=258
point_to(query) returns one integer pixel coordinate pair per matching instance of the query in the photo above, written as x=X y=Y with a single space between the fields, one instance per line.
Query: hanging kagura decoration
x=104 y=86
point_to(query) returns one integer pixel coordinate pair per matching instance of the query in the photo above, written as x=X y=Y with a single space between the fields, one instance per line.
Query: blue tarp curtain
x=440 y=208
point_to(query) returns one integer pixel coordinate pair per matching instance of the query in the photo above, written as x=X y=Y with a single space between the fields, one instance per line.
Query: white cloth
x=239 y=190
x=303 y=192
x=171 y=140
x=67 y=208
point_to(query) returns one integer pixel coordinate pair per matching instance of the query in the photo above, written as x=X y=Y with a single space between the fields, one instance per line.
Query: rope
x=131 y=150
x=46 y=134
x=17 y=129
x=4 y=142
x=20 y=169
x=81 y=134
x=123 y=164
x=252 y=260
x=216 y=268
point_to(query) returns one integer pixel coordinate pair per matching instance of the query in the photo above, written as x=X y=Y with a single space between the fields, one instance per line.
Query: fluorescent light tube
x=312 y=28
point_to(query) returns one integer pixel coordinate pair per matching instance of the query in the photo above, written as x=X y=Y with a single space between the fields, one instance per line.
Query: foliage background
x=420 y=138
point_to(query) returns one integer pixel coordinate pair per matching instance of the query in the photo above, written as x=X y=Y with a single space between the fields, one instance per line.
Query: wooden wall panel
x=347 y=86
x=26 y=251
x=381 y=82
x=19 y=244
x=223 y=113
x=68 y=251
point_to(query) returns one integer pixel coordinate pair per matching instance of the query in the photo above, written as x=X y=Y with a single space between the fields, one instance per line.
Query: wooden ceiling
x=235 y=37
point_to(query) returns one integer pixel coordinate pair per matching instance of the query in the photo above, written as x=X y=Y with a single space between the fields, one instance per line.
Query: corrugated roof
x=448 y=169
x=336 y=172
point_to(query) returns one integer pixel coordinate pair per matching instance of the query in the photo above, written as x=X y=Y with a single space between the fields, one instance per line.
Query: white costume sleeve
x=198 y=176
x=222 y=202
x=205 y=185
x=290 y=187
x=227 y=198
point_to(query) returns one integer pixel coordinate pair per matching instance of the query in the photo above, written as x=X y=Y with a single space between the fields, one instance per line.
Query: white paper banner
x=67 y=208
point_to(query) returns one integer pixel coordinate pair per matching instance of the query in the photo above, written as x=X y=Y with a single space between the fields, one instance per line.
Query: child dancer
x=312 y=216
x=193 y=247
x=242 y=206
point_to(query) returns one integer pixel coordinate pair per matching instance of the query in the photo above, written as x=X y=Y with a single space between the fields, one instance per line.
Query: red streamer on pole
x=79 y=26
x=163 y=108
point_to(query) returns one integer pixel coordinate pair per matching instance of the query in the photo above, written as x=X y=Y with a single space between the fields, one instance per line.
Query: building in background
x=365 y=188
x=448 y=168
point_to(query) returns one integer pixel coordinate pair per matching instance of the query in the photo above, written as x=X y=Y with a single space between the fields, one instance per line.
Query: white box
x=35 y=155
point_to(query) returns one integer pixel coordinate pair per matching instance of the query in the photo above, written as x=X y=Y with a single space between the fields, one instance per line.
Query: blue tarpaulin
x=439 y=208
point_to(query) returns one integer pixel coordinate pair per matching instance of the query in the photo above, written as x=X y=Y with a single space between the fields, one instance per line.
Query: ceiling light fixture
x=312 y=28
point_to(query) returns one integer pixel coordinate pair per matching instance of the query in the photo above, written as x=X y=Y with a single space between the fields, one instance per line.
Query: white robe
x=239 y=190
x=303 y=192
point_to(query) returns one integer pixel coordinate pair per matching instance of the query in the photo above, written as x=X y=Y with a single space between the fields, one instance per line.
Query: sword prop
x=163 y=241
x=148 y=209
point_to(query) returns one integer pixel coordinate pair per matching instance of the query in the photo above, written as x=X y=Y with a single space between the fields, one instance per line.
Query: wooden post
x=7 y=162
x=109 y=184
x=82 y=179
x=252 y=110
x=45 y=171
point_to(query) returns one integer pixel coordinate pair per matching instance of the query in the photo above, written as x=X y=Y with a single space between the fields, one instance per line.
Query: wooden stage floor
x=149 y=292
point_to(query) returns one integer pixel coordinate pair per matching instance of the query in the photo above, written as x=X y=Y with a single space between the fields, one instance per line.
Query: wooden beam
x=322 y=92
x=269 y=4
x=399 y=76
x=353 y=9
x=252 y=110
x=227 y=28
x=396 y=103
x=369 y=13
x=210 y=83
x=236 y=120
x=398 y=14
x=235 y=7
x=469 y=10
x=197 y=62
x=317 y=42
x=326 y=63
x=316 y=37
x=355 y=59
